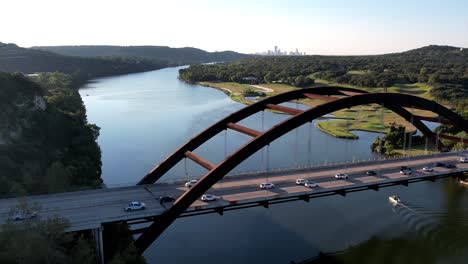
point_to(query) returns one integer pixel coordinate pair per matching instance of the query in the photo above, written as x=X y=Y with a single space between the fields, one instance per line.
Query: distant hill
x=176 y=56
x=436 y=50
x=443 y=68
x=18 y=59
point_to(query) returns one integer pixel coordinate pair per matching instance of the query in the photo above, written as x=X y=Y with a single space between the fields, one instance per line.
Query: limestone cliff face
x=19 y=106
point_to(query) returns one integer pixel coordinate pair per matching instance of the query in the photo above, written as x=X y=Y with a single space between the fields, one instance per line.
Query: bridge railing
x=306 y=168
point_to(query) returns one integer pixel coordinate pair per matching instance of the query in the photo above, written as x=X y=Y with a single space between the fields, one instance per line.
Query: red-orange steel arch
x=157 y=172
x=392 y=101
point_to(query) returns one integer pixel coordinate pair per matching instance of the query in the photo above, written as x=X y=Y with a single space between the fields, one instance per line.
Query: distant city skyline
x=337 y=27
x=277 y=52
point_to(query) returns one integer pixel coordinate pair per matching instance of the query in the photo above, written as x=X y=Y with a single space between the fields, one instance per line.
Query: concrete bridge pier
x=97 y=234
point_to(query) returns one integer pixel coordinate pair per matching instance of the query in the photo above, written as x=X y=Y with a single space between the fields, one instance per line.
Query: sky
x=328 y=27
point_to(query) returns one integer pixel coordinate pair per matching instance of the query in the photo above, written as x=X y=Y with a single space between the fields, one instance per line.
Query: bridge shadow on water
x=236 y=234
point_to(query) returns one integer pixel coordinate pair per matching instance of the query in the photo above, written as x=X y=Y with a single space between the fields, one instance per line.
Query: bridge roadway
x=92 y=208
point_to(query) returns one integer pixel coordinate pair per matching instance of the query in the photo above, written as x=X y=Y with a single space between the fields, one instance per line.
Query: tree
x=83 y=252
x=57 y=178
x=34 y=240
x=269 y=77
x=129 y=256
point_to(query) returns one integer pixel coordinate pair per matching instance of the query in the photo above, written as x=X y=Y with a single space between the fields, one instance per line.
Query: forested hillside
x=444 y=68
x=174 y=56
x=46 y=144
x=17 y=59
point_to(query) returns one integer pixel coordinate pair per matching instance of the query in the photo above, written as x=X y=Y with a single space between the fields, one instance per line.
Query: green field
x=358 y=72
x=234 y=90
x=336 y=129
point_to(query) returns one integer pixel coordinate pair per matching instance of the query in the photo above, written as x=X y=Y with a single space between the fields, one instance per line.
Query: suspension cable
x=410 y=139
x=326 y=142
x=262 y=151
x=185 y=169
x=425 y=144
x=404 y=141
x=383 y=125
x=225 y=154
x=309 y=145
x=296 y=131
x=267 y=161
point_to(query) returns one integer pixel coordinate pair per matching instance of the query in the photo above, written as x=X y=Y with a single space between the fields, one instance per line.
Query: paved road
x=88 y=209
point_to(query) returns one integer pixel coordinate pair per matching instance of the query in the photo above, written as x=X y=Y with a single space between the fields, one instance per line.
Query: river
x=146 y=116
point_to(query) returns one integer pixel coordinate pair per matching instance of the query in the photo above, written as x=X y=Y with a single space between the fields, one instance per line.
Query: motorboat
x=394 y=200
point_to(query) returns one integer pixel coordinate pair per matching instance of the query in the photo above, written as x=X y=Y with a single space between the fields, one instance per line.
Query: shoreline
x=350 y=136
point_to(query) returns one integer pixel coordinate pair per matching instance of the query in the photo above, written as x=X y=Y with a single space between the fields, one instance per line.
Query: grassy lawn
x=279 y=87
x=234 y=90
x=416 y=150
x=336 y=129
x=358 y=72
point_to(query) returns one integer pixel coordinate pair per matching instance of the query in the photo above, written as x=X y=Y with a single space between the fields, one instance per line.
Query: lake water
x=146 y=116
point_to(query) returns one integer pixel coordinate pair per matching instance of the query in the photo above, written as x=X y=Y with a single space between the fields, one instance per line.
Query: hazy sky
x=314 y=26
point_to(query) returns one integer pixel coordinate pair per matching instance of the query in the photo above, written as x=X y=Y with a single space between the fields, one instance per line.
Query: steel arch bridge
x=334 y=98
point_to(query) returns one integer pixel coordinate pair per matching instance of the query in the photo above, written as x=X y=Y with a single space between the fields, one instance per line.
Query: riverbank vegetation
x=48 y=146
x=434 y=72
x=44 y=240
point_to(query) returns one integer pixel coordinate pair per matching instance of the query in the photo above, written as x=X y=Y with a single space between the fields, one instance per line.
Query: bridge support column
x=97 y=234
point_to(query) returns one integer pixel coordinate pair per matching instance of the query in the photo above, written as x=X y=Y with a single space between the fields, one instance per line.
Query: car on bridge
x=166 y=199
x=450 y=166
x=267 y=185
x=371 y=173
x=446 y=165
x=340 y=176
x=310 y=184
x=135 y=206
x=428 y=169
x=190 y=183
x=23 y=215
x=208 y=198
x=301 y=181
x=406 y=171
x=463 y=159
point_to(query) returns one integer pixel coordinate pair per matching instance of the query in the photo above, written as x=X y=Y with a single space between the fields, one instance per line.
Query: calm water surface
x=146 y=116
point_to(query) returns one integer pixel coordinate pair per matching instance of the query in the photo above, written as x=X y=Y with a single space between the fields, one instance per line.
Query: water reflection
x=434 y=235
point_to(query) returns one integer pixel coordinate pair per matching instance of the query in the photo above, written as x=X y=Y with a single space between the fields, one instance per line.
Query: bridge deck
x=89 y=209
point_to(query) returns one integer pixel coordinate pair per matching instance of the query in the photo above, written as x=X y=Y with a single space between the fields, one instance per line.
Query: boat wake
x=446 y=233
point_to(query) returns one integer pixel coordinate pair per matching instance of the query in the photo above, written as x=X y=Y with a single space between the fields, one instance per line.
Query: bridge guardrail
x=348 y=164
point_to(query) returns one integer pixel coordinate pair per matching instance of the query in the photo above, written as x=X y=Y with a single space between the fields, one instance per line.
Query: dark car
x=405 y=168
x=440 y=164
x=166 y=199
x=371 y=173
x=450 y=166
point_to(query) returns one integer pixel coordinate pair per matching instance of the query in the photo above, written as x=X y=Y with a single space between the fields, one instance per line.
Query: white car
x=190 y=183
x=135 y=206
x=463 y=159
x=405 y=172
x=428 y=169
x=208 y=198
x=301 y=181
x=310 y=184
x=17 y=216
x=267 y=185
x=341 y=176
